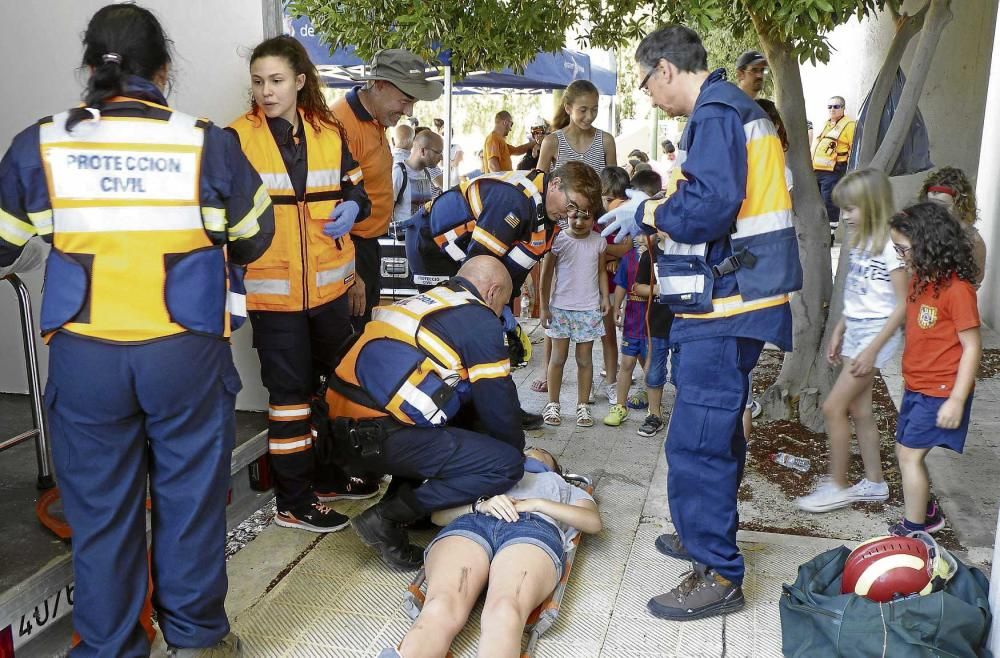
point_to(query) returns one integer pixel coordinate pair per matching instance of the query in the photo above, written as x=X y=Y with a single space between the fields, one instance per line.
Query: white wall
x=954 y=97
x=41 y=45
x=988 y=195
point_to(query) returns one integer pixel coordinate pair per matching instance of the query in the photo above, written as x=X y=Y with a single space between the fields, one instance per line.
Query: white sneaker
x=612 y=391
x=868 y=491
x=827 y=496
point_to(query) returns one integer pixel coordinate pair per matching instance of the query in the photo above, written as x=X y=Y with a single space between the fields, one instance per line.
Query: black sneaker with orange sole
x=353 y=489
x=314 y=517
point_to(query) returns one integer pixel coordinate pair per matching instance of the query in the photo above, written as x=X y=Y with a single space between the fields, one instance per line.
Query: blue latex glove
x=343 y=217
x=508 y=319
x=621 y=220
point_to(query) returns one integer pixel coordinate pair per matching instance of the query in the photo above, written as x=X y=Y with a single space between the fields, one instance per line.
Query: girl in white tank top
x=576 y=138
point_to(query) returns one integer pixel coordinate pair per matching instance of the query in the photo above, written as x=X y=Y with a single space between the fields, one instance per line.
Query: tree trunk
x=938 y=16
x=806 y=366
x=906 y=28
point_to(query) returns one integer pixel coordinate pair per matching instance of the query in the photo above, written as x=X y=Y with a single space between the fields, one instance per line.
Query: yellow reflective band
x=439 y=349
x=497 y=370
x=475 y=202
x=278 y=183
x=42 y=221
x=490 y=242
x=248 y=226
x=214 y=219
x=15 y=231
x=328 y=178
x=727 y=307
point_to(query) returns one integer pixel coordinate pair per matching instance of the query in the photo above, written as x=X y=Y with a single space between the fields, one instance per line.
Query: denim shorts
x=659 y=351
x=917 y=424
x=637 y=347
x=859 y=334
x=494 y=535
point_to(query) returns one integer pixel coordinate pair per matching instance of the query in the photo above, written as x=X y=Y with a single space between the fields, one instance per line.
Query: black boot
x=381 y=528
x=530 y=421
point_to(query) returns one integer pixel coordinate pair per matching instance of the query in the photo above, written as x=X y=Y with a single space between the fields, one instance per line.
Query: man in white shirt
x=412 y=185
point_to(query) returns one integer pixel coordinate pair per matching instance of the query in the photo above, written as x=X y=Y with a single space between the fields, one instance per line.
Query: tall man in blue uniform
x=729 y=264
x=425 y=394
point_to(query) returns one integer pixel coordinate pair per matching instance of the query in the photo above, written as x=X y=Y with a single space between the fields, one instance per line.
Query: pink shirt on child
x=576 y=286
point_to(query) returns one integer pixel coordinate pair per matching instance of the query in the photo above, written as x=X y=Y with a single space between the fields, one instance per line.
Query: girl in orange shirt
x=942 y=352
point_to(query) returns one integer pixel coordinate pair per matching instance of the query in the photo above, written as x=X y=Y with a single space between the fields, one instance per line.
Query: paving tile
x=263 y=646
x=303 y=588
x=272 y=619
x=306 y=650
x=701 y=637
x=352 y=632
x=370 y=596
x=627 y=634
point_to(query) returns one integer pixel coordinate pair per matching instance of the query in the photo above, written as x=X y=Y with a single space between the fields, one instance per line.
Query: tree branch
x=907 y=26
x=938 y=16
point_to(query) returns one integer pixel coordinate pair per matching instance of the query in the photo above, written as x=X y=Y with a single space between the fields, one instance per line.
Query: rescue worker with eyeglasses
x=147 y=211
x=425 y=394
x=511 y=216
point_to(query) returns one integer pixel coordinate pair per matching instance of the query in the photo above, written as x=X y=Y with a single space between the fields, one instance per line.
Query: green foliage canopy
x=488 y=35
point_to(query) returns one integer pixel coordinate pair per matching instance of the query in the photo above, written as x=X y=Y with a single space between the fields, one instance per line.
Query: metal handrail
x=43 y=451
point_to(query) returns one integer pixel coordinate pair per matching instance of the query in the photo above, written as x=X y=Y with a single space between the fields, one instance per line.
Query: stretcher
x=541 y=618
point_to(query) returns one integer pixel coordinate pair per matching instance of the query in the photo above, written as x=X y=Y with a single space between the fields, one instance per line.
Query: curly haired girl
x=941 y=354
x=950 y=187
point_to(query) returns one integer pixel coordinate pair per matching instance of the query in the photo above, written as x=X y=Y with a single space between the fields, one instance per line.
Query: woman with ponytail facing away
x=148 y=210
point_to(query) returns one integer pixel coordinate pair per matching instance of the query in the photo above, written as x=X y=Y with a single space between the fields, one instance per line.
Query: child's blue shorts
x=632 y=346
x=656 y=376
x=917 y=424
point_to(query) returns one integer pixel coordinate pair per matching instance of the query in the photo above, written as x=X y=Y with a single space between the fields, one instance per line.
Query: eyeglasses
x=434 y=150
x=645 y=81
x=573 y=211
x=900 y=250
x=834 y=107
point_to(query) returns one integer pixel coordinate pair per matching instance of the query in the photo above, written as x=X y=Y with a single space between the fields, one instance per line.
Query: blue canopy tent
x=546 y=72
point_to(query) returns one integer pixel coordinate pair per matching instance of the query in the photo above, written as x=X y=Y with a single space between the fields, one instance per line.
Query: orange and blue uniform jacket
x=426 y=359
x=501 y=214
x=143 y=180
x=732 y=257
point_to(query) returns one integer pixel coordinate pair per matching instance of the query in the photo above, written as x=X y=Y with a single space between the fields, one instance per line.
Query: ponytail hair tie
x=111 y=57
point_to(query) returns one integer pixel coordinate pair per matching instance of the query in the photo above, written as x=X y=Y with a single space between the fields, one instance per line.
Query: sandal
x=552 y=414
x=540 y=386
x=583 y=417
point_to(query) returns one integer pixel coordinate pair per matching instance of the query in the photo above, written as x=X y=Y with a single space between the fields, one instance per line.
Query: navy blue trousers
x=827 y=181
x=455 y=465
x=120 y=415
x=706 y=449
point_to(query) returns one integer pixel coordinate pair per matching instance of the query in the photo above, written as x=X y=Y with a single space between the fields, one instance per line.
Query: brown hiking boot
x=702 y=593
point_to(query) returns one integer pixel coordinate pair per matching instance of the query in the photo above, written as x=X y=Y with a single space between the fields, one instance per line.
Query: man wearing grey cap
x=751 y=67
x=393 y=84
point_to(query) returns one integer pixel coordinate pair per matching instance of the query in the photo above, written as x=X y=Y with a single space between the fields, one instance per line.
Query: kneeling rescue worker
x=425 y=394
x=512 y=216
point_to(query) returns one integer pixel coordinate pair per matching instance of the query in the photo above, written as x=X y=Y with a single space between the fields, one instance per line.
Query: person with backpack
x=412 y=185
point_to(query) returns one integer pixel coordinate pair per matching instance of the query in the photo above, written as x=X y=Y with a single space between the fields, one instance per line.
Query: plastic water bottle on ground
x=800 y=464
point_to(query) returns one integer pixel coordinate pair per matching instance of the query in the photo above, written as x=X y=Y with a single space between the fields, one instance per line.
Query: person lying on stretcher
x=514 y=545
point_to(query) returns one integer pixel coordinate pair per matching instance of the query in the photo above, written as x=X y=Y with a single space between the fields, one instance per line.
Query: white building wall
x=954 y=97
x=988 y=196
x=41 y=43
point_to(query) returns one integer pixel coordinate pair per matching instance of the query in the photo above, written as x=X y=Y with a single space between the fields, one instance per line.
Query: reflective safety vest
x=830 y=149
x=452 y=232
x=303 y=268
x=399 y=368
x=762 y=243
x=132 y=256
